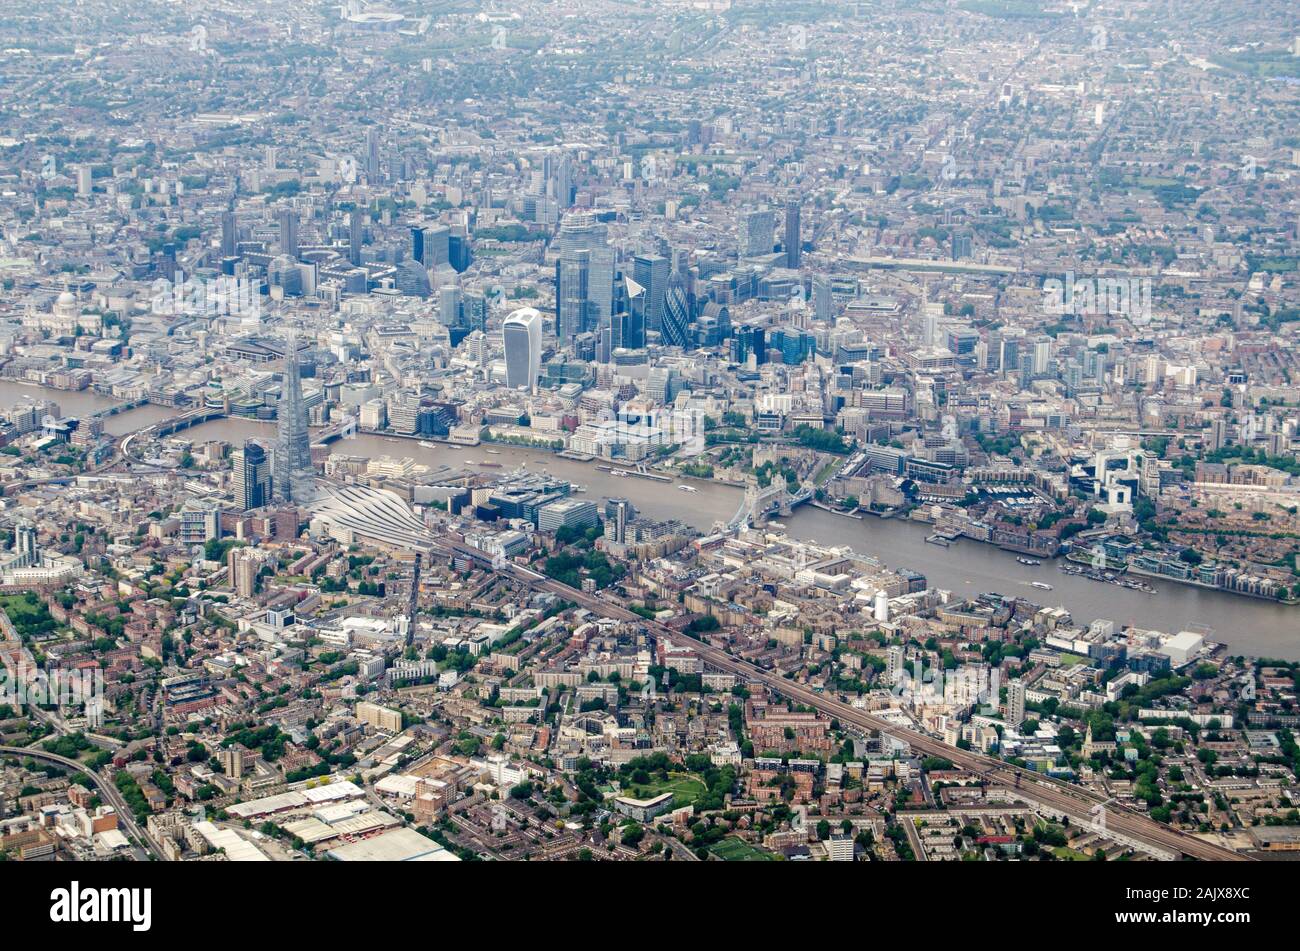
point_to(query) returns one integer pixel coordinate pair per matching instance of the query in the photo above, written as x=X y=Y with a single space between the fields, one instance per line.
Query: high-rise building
x=252 y=471
x=750 y=341
x=651 y=272
x=961 y=245
x=558 y=171
x=229 y=234
x=474 y=311
x=629 y=322
x=289 y=232
x=618 y=514
x=572 y=272
x=449 y=305
x=579 y=231
x=522 y=335
x=26 y=551
x=1015 y=703
x=294 y=475
x=678 y=307
x=584 y=290
x=894 y=664
x=757 y=233
x=822 y=298
x=200 y=521
x=354 y=236
x=791 y=240
x=431 y=244
x=412 y=278
x=372 y=156
x=582 y=232
x=243 y=564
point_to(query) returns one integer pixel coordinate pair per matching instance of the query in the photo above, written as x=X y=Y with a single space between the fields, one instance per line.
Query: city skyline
x=661 y=432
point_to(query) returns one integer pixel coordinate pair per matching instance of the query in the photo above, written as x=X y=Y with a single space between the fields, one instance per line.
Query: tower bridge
x=761 y=502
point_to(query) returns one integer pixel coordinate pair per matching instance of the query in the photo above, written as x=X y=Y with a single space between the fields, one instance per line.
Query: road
x=1082 y=806
x=107 y=791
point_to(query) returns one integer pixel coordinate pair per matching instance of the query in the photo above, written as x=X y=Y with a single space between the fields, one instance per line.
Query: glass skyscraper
x=522 y=335
x=677 y=312
x=252 y=472
x=294 y=474
x=791 y=241
x=651 y=272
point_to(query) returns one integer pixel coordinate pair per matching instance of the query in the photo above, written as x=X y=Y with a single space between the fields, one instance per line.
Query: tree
x=823 y=830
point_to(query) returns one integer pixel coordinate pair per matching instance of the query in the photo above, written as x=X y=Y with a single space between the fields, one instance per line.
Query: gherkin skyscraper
x=675 y=328
x=293 y=475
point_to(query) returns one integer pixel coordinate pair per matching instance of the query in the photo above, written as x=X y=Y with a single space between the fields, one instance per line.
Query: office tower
x=1042 y=356
x=449 y=305
x=474 y=311
x=661 y=385
x=431 y=244
x=1008 y=354
x=582 y=232
x=558 y=172
x=85 y=181
x=252 y=471
x=677 y=314
x=572 y=272
x=411 y=278
x=757 y=233
x=584 y=291
x=459 y=253
x=522 y=335
x=579 y=231
x=930 y=327
x=1015 y=703
x=618 y=514
x=651 y=272
x=167 y=261
x=229 y=235
x=713 y=325
x=294 y=474
x=749 y=342
x=354 y=236
x=629 y=322
x=372 y=156
x=791 y=241
x=822 y=298
x=600 y=287
x=289 y=232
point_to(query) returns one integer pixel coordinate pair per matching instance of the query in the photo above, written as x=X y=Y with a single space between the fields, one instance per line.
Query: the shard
x=293 y=474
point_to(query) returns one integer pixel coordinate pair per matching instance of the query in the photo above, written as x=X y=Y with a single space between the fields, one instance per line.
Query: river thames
x=1247 y=625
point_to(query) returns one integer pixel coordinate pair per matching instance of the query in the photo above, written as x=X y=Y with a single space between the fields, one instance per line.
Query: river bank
x=1248 y=625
